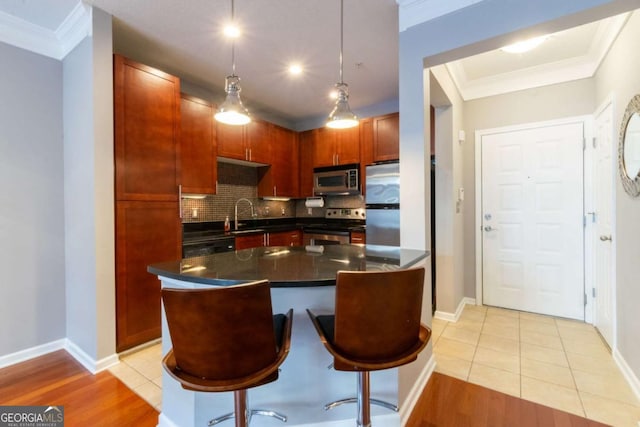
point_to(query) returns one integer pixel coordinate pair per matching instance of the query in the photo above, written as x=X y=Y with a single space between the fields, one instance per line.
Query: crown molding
x=575 y=68
x=54 y=44
x=414 y=12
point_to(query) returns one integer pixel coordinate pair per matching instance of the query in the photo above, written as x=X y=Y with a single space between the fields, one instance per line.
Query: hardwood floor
x=102 y=400
x=447 y=401
x=88 y=400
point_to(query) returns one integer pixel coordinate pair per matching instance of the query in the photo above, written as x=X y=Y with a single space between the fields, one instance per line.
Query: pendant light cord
x=233 y=42
x=341 y=36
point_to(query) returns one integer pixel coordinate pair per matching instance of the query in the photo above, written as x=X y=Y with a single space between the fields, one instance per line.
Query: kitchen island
x=301 y=277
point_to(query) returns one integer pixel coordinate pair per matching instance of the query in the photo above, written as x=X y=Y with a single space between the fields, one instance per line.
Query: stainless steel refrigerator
x=383 y=204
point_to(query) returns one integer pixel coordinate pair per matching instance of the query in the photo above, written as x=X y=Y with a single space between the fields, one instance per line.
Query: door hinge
x=585 y=298
x=584 y=144
x=594 y=142
x=593 y=292
x=584 y=221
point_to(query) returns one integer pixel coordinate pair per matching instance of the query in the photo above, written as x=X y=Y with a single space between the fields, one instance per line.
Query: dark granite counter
x=287 y=266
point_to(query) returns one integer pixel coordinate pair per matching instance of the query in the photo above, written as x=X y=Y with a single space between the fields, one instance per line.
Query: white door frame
x=592 y=230
x=586 y=121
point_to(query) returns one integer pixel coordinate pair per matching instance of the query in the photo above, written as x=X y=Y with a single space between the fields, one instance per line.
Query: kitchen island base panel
x=305 y=382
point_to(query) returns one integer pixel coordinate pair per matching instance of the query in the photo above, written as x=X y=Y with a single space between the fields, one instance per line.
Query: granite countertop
x=287 y=266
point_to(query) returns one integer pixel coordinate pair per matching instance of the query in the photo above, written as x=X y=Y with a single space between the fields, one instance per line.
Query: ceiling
x=184 y=38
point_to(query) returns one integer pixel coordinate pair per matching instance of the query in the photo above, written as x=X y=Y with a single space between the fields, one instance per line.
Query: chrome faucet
x=236 y=210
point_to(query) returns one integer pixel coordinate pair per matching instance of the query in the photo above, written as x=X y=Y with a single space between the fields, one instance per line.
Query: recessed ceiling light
x=295 y=69
x=232 y=31
x=525 y=45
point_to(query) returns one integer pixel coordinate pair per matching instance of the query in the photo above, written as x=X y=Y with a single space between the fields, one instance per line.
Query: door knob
x=605 y=238
x=489 y=228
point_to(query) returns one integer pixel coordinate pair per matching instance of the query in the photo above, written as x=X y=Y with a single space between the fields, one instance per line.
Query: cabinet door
x=198 y=146
x=231 y=141
x=251 y=241
x=347 y=146
x=358 y=237
x=386 y=137
x=146 y=233
x=324 y=147
x=306 y=163
x=258 y=142
x=284 y=165
x=366 y=151
x=285 y=238
x=147 y=125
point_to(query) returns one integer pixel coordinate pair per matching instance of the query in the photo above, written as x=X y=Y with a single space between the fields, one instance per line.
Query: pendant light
x=341 y=116
x=232 y=112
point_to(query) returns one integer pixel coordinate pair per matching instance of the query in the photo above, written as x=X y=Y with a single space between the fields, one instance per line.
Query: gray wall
x=88 y=192
x=32 y=291
x=534 y=105
x=619 y=75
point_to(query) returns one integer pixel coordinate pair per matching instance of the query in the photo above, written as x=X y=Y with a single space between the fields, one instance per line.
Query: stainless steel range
x=336 y=227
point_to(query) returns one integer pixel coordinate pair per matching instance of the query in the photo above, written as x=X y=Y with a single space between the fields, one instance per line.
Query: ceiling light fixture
x=232 y=112
x=525 y=45
x=295 y=69
x=341 y=116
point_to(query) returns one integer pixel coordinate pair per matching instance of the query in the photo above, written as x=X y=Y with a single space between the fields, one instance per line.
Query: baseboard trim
x=627 y=372
x=453 y=317
x=416 y=390
x=30 y=353
x=92 y=365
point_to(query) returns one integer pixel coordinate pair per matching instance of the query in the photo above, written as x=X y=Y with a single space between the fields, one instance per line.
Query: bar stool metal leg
x=241 y=405
x=364 y=409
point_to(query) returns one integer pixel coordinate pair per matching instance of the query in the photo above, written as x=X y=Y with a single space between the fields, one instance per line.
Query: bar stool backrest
x=221 y=333
x=377 y=315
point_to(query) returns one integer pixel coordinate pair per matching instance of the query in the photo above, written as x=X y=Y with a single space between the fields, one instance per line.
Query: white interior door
x=603 y=214
x=532 y=220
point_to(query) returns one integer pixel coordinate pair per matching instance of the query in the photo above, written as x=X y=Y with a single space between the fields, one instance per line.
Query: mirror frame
x=631 y=185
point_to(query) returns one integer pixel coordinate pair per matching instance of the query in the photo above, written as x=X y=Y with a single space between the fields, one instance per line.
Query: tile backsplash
x=237 y=181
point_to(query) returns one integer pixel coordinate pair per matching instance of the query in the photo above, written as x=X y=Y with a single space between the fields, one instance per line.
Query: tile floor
x=555 y=362
x=141 y=371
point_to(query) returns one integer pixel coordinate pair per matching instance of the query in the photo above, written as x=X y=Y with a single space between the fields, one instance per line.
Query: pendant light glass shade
x=232 y=111
x=341 y=116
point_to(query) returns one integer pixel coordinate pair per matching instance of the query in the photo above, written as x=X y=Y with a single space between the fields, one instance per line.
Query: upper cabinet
x=197 y=146
x=248 y=142
x=386 y=137
x=305 y=141
x=336 y=146
x=147 y=126
x=281 y=179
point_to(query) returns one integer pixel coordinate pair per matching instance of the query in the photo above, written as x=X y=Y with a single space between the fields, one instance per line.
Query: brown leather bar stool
x=376 y=326
x=226 y=339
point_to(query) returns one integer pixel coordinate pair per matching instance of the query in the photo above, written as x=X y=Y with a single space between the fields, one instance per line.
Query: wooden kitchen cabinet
x=336 y=146
x=146 y=233
x=358 y=237
x=281 y=178
x=285 y=238
x=147 y=174
x=386 y=138
x=147 y=126
x=250 y=142
x=250 y=241
x=305 y=143
x=198 y=146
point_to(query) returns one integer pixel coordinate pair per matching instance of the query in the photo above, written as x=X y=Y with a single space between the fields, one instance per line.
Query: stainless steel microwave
x=337 y=180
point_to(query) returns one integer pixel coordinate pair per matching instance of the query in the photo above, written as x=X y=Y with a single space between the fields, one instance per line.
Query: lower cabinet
x=280 y=238
x=285 y=238
x=146 y=233
x=358 y=237
x=250 y=241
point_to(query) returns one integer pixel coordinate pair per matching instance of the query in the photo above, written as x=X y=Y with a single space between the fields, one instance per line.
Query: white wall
x=88 y=196
x=618 y=74
x=32 y=292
